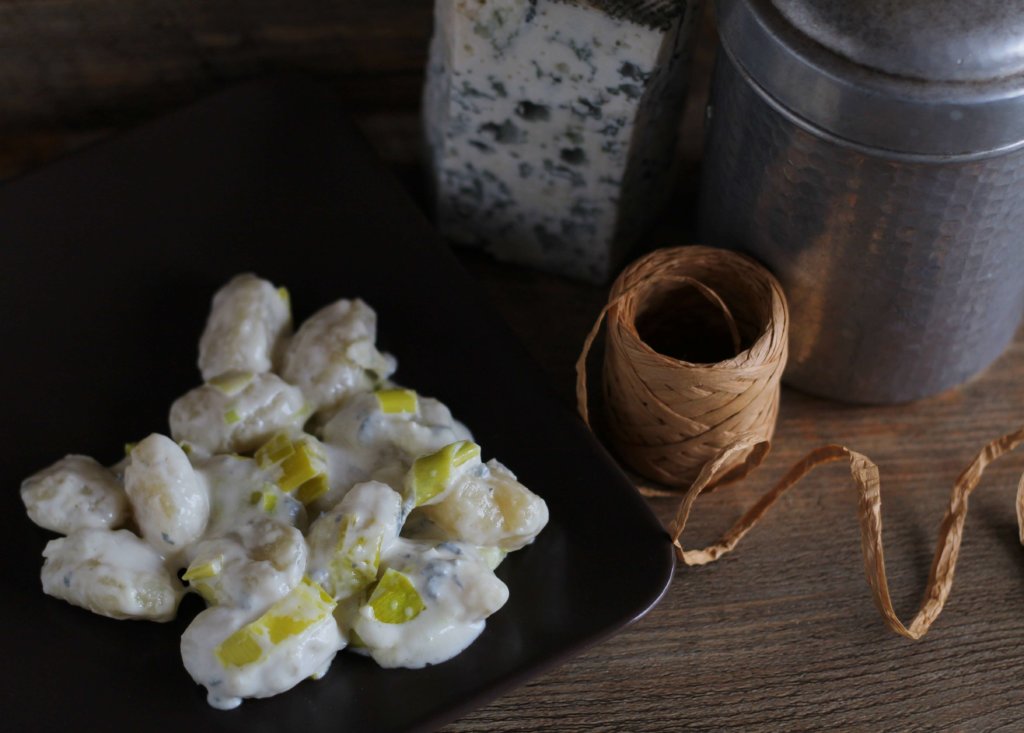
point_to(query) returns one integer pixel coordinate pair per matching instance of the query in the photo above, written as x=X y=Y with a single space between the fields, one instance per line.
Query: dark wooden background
x=782 y=634
x=75 y=63
x=74 y=70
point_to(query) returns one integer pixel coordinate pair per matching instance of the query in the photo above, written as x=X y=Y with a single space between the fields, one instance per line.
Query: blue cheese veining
x=551 y=124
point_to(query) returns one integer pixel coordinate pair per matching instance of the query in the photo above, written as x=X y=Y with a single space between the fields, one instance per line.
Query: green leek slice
x=307 y=604
x=397 y=401
x=395 y=600
x=430 y=474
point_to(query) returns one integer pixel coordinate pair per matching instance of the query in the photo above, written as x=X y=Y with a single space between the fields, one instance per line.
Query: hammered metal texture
x=934 y=40
x=904 y=278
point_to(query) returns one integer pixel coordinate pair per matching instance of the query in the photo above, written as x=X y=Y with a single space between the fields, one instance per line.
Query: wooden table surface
x=782 y=634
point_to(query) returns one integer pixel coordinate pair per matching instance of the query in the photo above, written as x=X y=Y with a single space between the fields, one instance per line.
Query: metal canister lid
x=915 y=77
x=650 y=13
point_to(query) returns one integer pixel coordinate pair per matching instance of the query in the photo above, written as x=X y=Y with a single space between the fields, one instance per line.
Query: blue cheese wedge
x=551 y=125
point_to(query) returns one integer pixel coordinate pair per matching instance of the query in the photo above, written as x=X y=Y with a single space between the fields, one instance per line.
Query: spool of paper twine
x=694 y=423
x=667 y=416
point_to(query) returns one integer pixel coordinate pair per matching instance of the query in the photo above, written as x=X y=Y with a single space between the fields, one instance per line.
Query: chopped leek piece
x=239 y=649
x=231 y=383
x=307 y=604
x=395 y=600
x=207 y=592
x=283 y=294
x=274 y=450
x=129 y=447
x=267 y=498
x=431 y=473
x=492 y=556
x=355 y=641
x=394 y=401
x=355 y=562
x=466 y=451
x=313 y=489
x=300 y=464
x=304 y=463
x=231 y=416
x=203 y=570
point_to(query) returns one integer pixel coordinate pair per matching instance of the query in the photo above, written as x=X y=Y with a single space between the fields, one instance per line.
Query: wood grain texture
x=83 y=64
x=782 y=634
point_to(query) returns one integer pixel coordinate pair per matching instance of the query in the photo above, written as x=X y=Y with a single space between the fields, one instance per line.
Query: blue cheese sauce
x=313 y=508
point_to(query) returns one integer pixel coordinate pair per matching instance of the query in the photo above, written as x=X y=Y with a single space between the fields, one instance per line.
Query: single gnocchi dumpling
x=430 y=603
x=76 y=492
x=333 y=354
x=249 y=322
x=237 y=412
x=257 y=563
x=490 y=508
x=346 y=543
x=237 y=654
x=393 y=424
x=170 y=505
x=420 y=527
x=242 y=492
x=114 y=574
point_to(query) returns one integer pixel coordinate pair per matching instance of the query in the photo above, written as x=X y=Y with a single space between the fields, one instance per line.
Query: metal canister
x=871 y=154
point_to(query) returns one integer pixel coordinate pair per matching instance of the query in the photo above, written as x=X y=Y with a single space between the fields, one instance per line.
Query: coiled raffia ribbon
x=697 y=426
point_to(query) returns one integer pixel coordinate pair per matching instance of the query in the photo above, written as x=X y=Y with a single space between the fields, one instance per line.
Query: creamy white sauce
x=297 y=547
x=241 y=491
x=378 y=438
x=76 y=492
x=284 y=665
x=347 y=542
x=458 y=591
x=223 y=420
x=256 y=564
x=364 y=442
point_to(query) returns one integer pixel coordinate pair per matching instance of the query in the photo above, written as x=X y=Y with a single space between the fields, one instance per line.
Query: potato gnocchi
x=313 y=503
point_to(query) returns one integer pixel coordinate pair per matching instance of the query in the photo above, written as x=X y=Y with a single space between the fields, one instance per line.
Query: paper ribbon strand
x=699 y=426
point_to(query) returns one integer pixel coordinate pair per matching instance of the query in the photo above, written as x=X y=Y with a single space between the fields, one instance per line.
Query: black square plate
x=109 y=260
